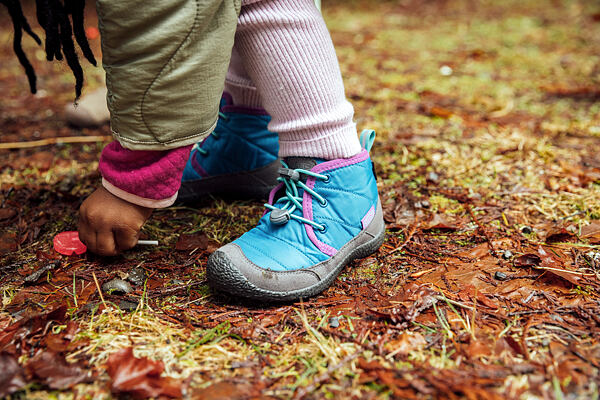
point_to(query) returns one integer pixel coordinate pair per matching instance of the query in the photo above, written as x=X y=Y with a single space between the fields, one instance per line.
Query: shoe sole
x=223 y=276
x=254 y=184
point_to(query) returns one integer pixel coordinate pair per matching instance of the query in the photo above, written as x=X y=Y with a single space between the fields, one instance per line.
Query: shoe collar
x=307 y=203
x=227 y=106
x=320 y=167
x=315 y=165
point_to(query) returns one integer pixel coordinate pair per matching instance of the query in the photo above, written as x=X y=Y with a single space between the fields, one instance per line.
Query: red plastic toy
x=68 y=243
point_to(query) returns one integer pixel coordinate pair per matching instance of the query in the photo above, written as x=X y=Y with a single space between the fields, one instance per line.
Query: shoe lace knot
x=291 y=201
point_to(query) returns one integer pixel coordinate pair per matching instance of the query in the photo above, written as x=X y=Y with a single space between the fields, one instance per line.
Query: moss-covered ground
x=488 y=135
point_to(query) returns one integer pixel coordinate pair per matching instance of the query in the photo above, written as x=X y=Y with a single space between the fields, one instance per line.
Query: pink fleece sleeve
x=146 y=178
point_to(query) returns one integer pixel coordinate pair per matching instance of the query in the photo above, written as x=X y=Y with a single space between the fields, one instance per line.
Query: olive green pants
x=165 y=63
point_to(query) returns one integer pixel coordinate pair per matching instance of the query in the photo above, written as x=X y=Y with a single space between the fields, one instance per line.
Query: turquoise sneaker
x=239 y=158
x=322 y=215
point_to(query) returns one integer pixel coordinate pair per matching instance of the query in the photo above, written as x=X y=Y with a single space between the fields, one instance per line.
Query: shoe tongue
x=305 y=163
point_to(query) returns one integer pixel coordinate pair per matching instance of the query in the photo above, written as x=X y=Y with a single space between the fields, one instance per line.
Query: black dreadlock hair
x=53 y=16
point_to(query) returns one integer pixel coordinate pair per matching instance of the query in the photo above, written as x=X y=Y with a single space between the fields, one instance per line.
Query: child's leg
x=326 y=211
x=239 y=159
x=287 y=51
x=165 y=64
x=239 y=85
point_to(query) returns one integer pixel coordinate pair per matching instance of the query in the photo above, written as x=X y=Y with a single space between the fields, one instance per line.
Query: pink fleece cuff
x=147 y=178
x=140 y=201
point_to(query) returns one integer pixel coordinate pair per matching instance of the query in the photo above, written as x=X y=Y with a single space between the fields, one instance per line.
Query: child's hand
x=108 y=224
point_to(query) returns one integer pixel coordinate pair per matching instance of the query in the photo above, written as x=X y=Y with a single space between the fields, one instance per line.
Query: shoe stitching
x=292 y=244
x=272 y=258
x=338 y=221
x=286 y=272
x=324 y=189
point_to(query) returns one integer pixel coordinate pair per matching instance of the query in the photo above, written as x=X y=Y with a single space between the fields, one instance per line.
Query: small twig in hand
x=147 y=242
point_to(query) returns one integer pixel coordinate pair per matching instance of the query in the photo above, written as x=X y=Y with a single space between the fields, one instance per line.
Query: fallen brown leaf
x=52 y=369
x=555 y=267
x=440 y=221
x=578 y=92
x=30 y=325
x=8 y=242
x=405 y=343
x=11 y=375
x=6 y=213
x=527 y=260
x=591 y=232
x=440 y=112
x=226 y=390
x=140 y=377
x=192 y=241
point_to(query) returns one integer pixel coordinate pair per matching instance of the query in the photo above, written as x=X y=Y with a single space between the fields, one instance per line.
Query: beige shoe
x=90 y=112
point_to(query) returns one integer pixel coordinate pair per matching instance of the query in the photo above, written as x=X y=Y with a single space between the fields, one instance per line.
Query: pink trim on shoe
x=366 y=220
x=140 y=201
x=273 y=192
x=324 y=247
x=340 y=162
x=272 y=196
x=197 y=167
x=307 y=197
x=240 y=109
x=228 y=98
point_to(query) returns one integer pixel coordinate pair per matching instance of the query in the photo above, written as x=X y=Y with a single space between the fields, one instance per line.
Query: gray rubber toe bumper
x=229 y=270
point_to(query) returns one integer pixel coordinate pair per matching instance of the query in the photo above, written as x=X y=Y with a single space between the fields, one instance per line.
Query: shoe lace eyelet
x=324 y=229
x=327 y=178
x=324 y=204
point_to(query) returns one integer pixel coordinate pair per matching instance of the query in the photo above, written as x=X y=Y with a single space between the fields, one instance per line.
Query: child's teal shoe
x=238 y=159
x=321 y=216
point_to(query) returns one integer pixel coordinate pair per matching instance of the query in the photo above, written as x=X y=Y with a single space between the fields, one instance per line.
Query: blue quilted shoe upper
x=322 y=215
x=239 y=156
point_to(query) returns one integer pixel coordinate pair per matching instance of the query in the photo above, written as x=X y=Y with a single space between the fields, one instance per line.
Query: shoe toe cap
x=228 y=269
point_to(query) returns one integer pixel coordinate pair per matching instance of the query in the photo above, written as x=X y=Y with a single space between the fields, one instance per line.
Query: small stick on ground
x=99 y=289
x=493 y=251
x=56 y=140
x=409 y=236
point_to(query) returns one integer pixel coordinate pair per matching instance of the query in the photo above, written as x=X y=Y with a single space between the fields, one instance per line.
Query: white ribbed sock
x=239 y=85
x=283 y=48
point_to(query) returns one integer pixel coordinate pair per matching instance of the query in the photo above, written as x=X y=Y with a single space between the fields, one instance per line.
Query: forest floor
x=487 y=286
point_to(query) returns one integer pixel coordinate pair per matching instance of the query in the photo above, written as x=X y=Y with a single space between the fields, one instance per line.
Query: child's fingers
x=126 y=238
x=86 y=234
x=105 y=244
